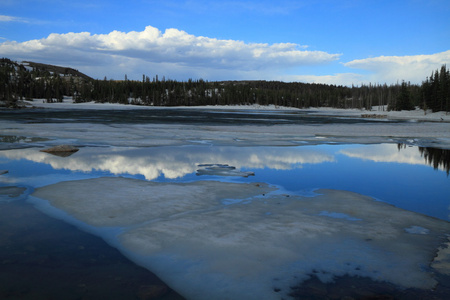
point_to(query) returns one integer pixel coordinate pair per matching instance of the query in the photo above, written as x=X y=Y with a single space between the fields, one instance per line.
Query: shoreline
x=408 y=127
x=377 y=112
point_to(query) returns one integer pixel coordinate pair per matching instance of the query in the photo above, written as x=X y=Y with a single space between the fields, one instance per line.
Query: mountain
x=56 y=69
x=31 y=80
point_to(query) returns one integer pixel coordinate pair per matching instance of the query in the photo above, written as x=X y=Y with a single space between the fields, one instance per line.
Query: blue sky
x=330 y=41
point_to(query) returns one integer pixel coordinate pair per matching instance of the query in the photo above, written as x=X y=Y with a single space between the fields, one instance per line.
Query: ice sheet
x=253 y=249
x=436 y=134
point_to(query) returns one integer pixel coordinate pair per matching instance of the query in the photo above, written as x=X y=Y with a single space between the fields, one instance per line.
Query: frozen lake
x=242 y=204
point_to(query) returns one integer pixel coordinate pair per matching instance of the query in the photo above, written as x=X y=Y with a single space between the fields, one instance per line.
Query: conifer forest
x=28 y=80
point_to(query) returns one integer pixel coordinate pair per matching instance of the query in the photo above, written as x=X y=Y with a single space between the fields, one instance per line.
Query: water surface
x=409 y=177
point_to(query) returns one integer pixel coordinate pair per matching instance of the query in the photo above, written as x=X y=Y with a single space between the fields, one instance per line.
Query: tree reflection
x=438 y=158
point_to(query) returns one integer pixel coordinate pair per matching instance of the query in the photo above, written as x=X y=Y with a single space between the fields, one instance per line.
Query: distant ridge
x=57 y=69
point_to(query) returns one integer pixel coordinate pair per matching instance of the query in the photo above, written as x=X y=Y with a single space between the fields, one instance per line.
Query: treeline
x=436 y=90
x=18 y=81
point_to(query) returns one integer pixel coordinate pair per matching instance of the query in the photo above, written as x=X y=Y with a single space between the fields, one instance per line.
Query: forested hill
x=62 y=71
x=29 y=80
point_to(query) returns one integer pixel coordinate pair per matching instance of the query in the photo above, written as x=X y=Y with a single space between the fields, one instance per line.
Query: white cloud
x=174 y=50
x=4 y=18
x=336 y=79
x=179 y=55
x=390 y=69
x=382 y=69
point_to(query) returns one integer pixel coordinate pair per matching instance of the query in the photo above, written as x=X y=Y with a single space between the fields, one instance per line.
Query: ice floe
x=252 y=249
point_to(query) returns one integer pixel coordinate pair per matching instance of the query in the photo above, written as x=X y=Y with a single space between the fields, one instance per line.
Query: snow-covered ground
x=380 y=111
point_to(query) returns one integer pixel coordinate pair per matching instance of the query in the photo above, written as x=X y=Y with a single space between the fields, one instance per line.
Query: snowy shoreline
x=415 y=128
x=376 y=112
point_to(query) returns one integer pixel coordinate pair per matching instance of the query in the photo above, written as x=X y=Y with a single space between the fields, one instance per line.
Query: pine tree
x=403 y=100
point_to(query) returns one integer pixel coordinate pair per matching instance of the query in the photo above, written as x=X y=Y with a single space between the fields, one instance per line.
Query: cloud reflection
x=386 y=153
x=439 y=159
x=174 y=162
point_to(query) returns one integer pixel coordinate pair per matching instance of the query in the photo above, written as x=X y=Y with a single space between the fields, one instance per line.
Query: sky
x=341 y=42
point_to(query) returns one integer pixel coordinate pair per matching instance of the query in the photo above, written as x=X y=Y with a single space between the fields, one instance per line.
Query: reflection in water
x=174 y=162
x=401 y=178
x=10 y=192
x=385 y=153
x=438 y=158
x=221 y=170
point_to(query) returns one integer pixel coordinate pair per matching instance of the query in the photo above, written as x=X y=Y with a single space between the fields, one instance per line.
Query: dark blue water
x=176 y=116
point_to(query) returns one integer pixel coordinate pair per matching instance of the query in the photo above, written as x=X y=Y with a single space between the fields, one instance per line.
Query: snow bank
x=68 y=103
x=379 y=111
x=207 y=247
x=383 y=113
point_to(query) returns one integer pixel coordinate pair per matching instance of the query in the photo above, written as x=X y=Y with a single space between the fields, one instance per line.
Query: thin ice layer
x=253 y=249
x=122 y=202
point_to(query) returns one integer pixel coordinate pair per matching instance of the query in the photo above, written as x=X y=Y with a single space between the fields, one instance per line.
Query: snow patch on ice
x=417 y=230
x=338 y=215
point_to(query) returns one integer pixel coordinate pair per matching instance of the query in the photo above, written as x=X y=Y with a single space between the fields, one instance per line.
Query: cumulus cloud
x=390 y=69
x=180 y=55
x=174 y=48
